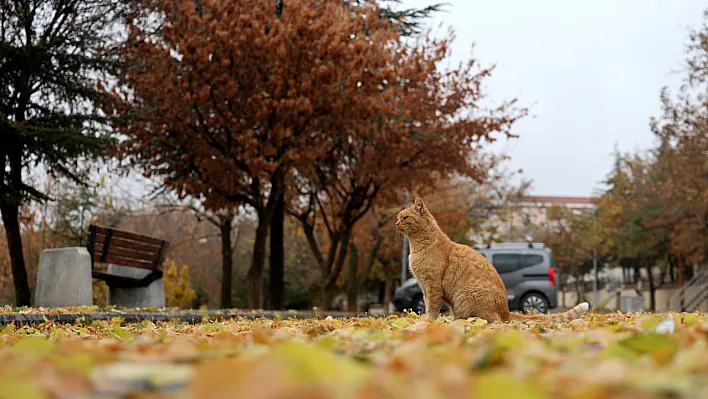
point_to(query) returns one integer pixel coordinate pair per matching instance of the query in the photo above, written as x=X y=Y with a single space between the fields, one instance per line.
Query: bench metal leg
x=152 y=295
x=64 y=278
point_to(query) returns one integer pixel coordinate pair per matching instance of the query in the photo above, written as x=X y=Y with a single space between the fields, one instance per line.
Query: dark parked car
x=527 y=270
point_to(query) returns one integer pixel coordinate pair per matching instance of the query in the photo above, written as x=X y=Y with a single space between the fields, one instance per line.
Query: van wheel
x=532 y=301
x=419 y=305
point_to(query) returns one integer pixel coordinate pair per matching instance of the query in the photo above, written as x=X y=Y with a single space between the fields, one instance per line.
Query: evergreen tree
x=53 y=56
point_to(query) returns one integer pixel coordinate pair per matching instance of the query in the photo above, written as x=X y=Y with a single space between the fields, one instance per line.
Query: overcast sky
x=591 y=72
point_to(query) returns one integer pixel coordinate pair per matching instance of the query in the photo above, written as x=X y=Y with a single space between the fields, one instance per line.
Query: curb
x=192 y=317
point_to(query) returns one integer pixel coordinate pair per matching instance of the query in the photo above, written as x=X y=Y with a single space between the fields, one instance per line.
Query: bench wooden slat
x=127 y=253
x=113 y=280
x=116 y=260
x=130 y=236
x=133 y=245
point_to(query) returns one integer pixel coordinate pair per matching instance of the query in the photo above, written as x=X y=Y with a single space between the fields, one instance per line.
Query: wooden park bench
x=125 y=248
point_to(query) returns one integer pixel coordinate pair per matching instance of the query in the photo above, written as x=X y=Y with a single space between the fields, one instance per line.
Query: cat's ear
x=410 y=205
x=419 y=205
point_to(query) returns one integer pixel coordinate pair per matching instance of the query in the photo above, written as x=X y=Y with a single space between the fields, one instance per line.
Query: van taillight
x=552 y=276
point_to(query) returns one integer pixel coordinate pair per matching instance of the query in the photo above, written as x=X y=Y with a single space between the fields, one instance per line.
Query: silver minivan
x=528 y=274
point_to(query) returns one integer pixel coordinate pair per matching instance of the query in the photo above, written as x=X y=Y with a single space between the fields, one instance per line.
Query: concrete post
x=64 y=278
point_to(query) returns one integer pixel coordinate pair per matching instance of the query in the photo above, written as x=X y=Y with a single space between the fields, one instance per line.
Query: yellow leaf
x=508 y=340
x=15 y=389
x=476 y=321
x=81 y=361
x=690 y=319
x=8 y=330
x=121 y=333
x=34 y=346
x=649 y=322
x=660 y=347
x=497 y=386
x=314 y=363
x=401 y=323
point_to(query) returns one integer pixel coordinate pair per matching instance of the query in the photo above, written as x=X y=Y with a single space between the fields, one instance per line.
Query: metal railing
x=694 y=294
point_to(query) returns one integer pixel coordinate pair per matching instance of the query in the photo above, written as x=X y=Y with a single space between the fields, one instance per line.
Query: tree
x=434 y=127
x=630 y=216
x=77 y=206
x=572 y=236
x=655 y=207
x=230 y=98
x=51 y=57
x=370 y=236
x=178 y=291
x=223 y=220
x=409 y=24
x=680 y=157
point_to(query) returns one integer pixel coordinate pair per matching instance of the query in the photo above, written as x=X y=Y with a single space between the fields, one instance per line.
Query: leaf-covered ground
x=600 y=356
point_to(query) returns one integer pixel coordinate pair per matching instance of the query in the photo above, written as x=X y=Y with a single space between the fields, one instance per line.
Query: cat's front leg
x=433 y=300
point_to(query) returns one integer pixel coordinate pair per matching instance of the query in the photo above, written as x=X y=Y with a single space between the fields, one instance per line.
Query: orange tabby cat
x=458 y=274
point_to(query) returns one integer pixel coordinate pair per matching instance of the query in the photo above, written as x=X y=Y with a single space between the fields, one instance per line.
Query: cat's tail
x=574 y=313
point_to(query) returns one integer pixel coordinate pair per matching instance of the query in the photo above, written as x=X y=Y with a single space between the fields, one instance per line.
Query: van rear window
x=506 y=263
x=531 y=260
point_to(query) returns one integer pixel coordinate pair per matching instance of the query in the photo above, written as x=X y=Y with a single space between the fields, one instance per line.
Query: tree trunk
x=681 y=281
x=579 y=294
x=356 y=284
x=254 y=277
x=226 y=262
x=353 y=281
x=277 y=254
x=370 y=262
x=10 y=219
x=329 y=284
x=652 y=287
x=388 y=292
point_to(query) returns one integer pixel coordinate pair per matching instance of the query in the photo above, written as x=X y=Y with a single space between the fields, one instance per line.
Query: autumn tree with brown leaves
x=409 y=23
x=230 y=98
x=433 y=126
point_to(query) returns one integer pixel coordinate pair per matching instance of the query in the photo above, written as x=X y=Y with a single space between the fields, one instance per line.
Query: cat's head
x=414 y=219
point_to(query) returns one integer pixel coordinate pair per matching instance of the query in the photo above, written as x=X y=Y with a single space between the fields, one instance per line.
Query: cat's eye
x=405 y=217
